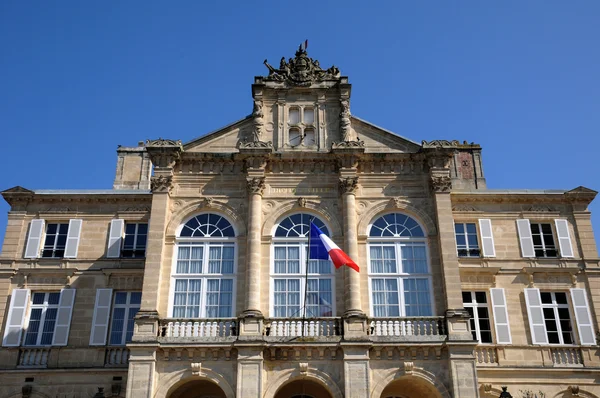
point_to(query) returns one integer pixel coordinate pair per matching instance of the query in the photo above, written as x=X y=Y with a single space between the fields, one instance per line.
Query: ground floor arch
x=303 y=388
x=410 y=387
x=196 y=389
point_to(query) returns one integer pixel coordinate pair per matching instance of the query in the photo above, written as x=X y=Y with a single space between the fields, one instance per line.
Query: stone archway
x=304 y=389
x=197 y=389
x=410 y=387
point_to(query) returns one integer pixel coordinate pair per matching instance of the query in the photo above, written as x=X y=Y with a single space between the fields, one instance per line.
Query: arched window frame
x=399 y=244
x=301 y=243
x=206 y=243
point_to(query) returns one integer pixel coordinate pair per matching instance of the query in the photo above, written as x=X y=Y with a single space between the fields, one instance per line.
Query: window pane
x=309 y=116
x=466 y=296
x=480 y=297
x=294 y=116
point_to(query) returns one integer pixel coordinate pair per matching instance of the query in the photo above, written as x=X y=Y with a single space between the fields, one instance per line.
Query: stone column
x=249 y=372
x=348 y=186
x=256 y=186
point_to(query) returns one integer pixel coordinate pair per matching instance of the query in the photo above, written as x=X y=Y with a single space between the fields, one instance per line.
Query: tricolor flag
x=322 y=248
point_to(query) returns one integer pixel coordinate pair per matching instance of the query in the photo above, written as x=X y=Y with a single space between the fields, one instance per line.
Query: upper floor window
x=399 y=275
x=295 y=279
x=301 y=122
x=538 y=239
x=551 y=316
x=476 y=304
x=466 y=239
x=134 y=244
x=125 y=306
x=203 y=276
x=53 y=240
x=43 y=317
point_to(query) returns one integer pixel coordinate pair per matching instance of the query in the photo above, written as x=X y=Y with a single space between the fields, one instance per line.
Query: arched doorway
x=302 y=389
x=410 y=387
x=197 y=389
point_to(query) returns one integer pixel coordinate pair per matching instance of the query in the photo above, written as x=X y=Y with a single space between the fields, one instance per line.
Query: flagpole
x=306 y=276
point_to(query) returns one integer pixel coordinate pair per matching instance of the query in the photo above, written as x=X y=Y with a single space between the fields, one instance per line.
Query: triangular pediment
x=378 y=139
x=223 y=140
x=17 y=189
x=582 y=190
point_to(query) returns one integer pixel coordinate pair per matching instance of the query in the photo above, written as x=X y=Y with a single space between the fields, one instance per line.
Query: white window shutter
x=524 y=229
x=63 y=317
x=487 y=237
x=101 y=317
x=583 y=317
x=501 y=323
x=564 y=238
x=34 y=240
x=115 y=238
x=16 y=318
x=536 y=316
x=73 y=238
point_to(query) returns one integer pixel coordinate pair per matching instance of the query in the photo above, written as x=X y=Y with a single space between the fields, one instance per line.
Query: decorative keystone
x=196 y=368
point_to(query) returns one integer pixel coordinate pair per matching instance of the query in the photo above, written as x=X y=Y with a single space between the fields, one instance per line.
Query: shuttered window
x=476 y=304
x=134 y=244
x=56 y=240
x=125 y=307
x=42 y=318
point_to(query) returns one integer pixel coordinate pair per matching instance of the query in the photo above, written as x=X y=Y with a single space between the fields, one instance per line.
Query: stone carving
x=162 y=142
x=574 y=390
x=348 y=144
x=300 y=71
x=302 y=202
x=137 y=208
x=59 y=210
x=441 y=183
x=259 y=123
x=463 y=207
x=345 y=120
x=256 y=144
x=256 y=185
x=440 y=144
x=400 y=202
x=303 y=367
x=196 y=368
x=409 y=367
x=348 y=184
x=541 y=208
x=161 y=184
x=487 y=387
x=208 y=202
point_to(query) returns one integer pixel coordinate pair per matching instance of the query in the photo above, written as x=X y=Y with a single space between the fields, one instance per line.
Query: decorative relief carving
x=137 y=208
x=441 y=183
x=348 y=184
x=161 y=184
x=540 y=208
x=345 y=120
x=300 y=71
x=196 y=368
x=256 y=185
x=302 y=202
x=64 y=209
x=440 y=144
x=409 y=367
x=161 y=142
x=164 y=153
x=256 y=144
x=303 y=367
x=259 y=123
x=464 y=207
x=400 y=202
x=208 y=202
x=348 y=144
x=268 y=206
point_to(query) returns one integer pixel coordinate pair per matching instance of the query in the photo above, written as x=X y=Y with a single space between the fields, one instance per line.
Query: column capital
x=255 y=185
x=348 y=185
x=441 y=183
x=164 y=153
x=161 y=184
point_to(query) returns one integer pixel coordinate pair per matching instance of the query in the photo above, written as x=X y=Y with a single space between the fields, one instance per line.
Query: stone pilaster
x=463 y=373
x=249 y=372
x=348 y=186
x=357 y=383
x=164 y=155
x=141 y=377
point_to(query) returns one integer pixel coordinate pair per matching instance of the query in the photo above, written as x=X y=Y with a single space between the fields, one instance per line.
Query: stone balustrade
x=408 y=328
x=566 y=356
x=486 y=355
x=116 y=357
x=198 y=328
x=33 y=357
x=313 y=327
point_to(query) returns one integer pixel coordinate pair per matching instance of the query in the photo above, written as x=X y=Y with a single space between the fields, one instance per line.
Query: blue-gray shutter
x=16 y=317
x=34 y=239
x=73 y=238
x=115 y=238
x=585 y=326
x=100 y=321
x=525 y=237
x=564 y=238
x=63 y=317
x=535 y=314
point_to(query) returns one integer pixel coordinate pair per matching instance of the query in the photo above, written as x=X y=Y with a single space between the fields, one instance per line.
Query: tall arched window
x=203 y=275
x=399 y=273
x=290 y=281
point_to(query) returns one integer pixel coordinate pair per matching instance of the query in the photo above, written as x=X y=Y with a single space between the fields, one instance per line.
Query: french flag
x=322 y=248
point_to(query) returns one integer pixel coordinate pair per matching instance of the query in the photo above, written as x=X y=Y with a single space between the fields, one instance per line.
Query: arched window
x=399 y=273
x=290 y=281
x=203 y=275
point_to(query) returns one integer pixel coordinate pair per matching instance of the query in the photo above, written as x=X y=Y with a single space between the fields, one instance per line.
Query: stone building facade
x=192 y=278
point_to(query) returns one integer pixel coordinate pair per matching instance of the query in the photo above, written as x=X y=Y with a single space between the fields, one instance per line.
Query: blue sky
x=518 y=77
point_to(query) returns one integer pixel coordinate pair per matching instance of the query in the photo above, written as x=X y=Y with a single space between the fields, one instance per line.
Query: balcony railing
x=313 y=327
x=405 y=328
x=207 y=328
x=566 y=356
x=486 y=356
x=116 y=357
x=33 y=357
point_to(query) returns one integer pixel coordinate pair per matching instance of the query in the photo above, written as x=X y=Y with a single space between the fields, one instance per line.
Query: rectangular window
x=125 y=306
x=466 y=240
x=55 y=241
x=42 y=319
x=204 y=280
x=557 y=317
x=476 y=304
x=400 y=282
x=134 y=244
x=291 y=284
x=543 y=240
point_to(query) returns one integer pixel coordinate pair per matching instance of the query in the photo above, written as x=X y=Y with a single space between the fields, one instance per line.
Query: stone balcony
x=326 y=329
x=556 y=356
